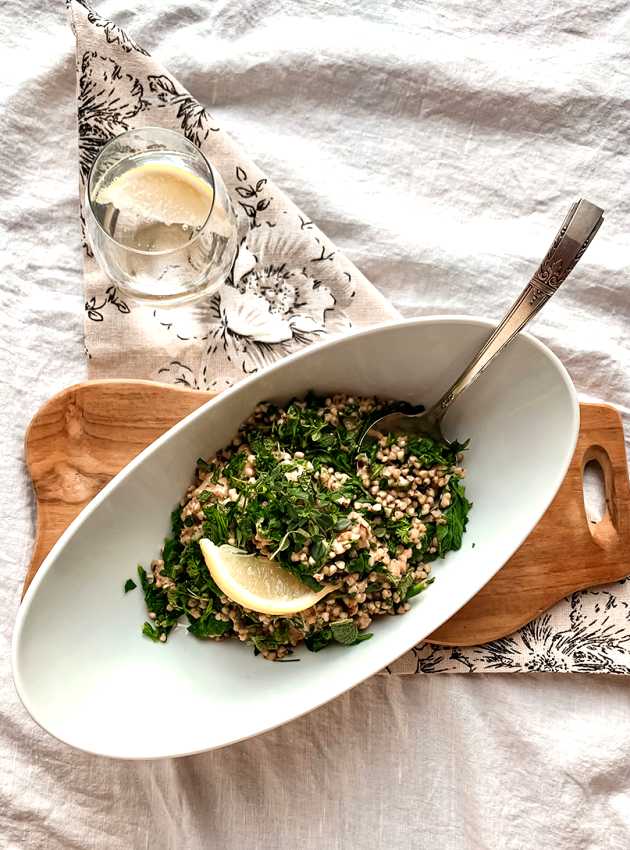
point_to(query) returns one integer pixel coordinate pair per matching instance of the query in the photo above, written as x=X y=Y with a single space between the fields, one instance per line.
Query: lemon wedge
x=257 y=583
x=160 y=192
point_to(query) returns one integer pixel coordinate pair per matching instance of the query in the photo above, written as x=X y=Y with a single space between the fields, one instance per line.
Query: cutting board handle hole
x=600 y=497
x=594 y=488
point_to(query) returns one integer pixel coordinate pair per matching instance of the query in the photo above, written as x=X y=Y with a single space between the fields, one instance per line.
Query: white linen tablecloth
x=438 y=146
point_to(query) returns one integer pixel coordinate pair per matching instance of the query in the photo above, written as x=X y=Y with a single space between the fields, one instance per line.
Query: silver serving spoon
x=573 y=238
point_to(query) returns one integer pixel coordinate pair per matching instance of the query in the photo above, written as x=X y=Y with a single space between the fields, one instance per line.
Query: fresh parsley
x=289 y=510
x=449 y=536
x=344 y=632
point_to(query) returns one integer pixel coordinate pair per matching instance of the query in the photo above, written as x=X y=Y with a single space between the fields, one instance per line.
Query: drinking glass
x=158 y=216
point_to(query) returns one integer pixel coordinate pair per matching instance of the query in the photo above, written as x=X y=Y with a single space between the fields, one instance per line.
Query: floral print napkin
x=289 y=287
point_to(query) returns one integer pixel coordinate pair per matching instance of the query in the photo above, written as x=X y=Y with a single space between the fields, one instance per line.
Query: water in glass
x=160 y=221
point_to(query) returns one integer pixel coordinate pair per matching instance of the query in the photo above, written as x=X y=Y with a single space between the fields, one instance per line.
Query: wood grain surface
x=82 y=437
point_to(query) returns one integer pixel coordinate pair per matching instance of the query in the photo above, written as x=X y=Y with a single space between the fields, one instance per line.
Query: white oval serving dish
x=81 y=666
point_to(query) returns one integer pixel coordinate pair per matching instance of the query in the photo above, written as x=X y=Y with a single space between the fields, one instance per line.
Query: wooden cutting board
x=82 y=437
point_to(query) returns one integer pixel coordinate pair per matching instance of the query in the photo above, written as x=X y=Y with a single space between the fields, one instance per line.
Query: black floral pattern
x=113 y=33
x=94 y=307
x=588 y=632
x=109 y=99
x=84 y=240
x=178 y=373
x=251 y=197
x=193 y=118
x=271 y=306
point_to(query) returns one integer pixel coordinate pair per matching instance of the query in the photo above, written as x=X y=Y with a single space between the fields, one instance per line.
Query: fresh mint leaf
x=208 y=626
x=344 y=631
x=342 y=524
x=318 y=640
x=404 y=585
x=318 y=550
x=363 y=636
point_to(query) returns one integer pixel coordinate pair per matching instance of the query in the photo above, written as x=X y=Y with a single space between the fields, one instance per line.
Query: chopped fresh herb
x=171 y=554
x=293 y=486
x=150 y=632
x=216 y=524
x=318 y=640
x=418 y=587
x=176 y=522
x=130 y=585
x=360 y=564
x=344 y=631
x=157 y=602
x=203 y=466
x=430 y=453
x=449 y=536
x=208 y=626
x=405 y=584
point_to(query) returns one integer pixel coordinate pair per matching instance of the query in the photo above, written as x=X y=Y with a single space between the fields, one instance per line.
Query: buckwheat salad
x=293 y=487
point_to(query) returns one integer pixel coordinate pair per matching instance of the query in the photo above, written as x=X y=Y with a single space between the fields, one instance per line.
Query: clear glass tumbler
x=158 y=216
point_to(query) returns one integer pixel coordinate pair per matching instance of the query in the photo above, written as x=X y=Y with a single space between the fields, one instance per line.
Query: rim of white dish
x=130 y=467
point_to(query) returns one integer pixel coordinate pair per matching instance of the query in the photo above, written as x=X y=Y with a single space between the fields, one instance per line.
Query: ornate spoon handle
x=573 y=238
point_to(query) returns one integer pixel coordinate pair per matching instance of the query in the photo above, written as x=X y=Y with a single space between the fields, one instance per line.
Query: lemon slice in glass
x=160 y=192
x=257 y=583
